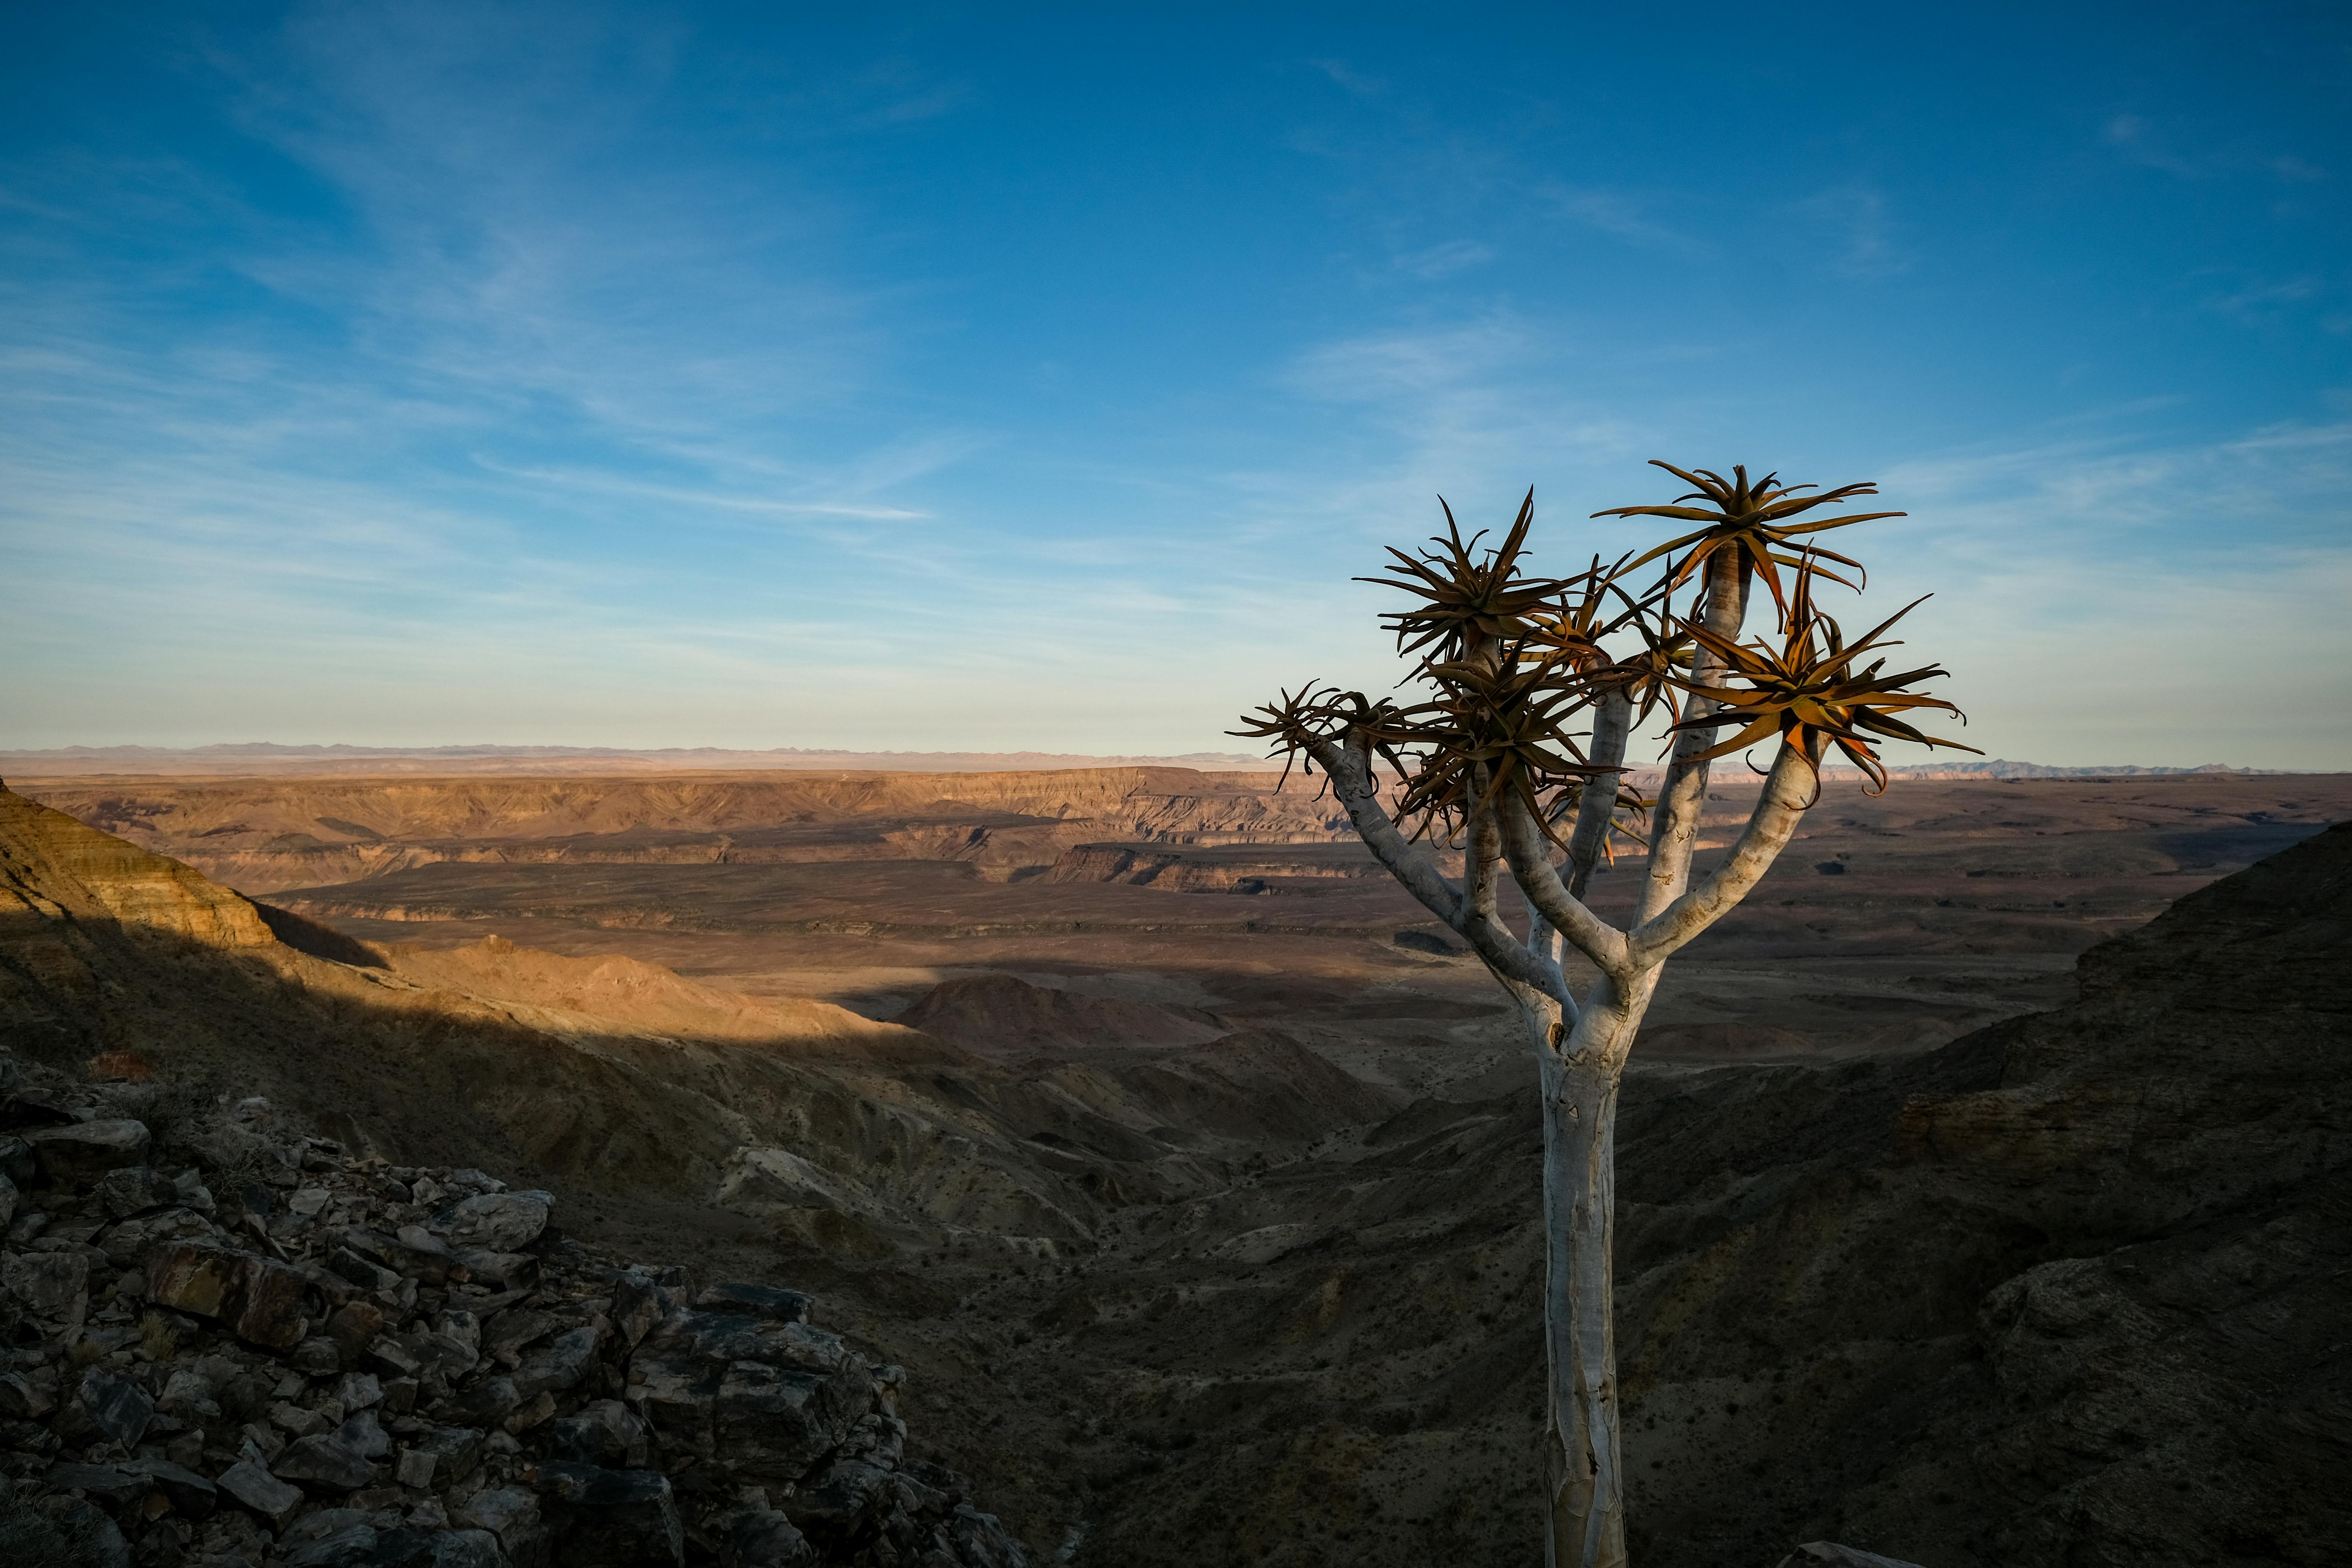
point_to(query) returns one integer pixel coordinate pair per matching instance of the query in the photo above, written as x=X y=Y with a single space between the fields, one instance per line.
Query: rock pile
x=238 y=1344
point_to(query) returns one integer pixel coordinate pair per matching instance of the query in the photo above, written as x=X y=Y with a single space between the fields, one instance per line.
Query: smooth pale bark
x=1612 y=726
x=1790 y=788
x=1353 y=783
x=1681 y=795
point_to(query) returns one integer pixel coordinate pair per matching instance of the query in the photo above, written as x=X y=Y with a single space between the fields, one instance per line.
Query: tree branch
x=1613 y=725
x=1794 y=785
x=1682 y=795
x=1482 y=851
x=1353 y=783
x=1548 y=895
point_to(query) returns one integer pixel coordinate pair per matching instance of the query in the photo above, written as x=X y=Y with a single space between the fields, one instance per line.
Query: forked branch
x=1789 y=791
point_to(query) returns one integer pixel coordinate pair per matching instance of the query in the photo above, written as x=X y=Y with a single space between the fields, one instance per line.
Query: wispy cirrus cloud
x=1860 y=231
x=1349 y=79
x=2140 y=139
x=1619 y=215
x=1445 y=260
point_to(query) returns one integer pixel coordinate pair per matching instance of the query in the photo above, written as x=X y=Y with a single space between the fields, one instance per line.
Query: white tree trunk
x=1584 y=1472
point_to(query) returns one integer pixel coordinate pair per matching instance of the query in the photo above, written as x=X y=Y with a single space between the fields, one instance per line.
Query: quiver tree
x=1532 y=688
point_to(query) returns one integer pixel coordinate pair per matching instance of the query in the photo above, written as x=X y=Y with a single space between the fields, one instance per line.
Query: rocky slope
x=240 y=1345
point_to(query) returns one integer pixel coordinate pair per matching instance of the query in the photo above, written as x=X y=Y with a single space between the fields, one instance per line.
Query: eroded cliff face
x=262 y=835
x=54 y=870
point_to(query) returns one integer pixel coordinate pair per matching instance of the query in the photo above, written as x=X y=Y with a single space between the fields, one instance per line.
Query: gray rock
x=456 y=1451
x=414 y=1253
x=341 y=1461
x=486 y=1403
x=604 y=1432
x=84 y=1151
x=359 y=1391
x=62 y=1532
x=511 y=1514
x=510 y=1330
x=494 y=1222
x=259 y=1490
x=849 y=1494
x=638 y=1305
x=126 y=1245
x=354 y=1543
x=465 y=1549
x=982 y=1541
x=346 y=1264
x=116 y=1406
x=503 y=1270
x=52 y=1285
x=22 y=1399
x=192 y=1496
x=762 y=1538
x=17 y=1161
x=562 y=1364
x=135 y=1189
x=110 y=1484
x=415 y=1469
x=1830 y=1554
x=774 y=1396
x=756 y=1302
x=318 y=1356
x=404 y=1547
x=613 y=1519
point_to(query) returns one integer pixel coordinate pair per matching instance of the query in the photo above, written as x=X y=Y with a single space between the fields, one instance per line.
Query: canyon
x=1982 y=1179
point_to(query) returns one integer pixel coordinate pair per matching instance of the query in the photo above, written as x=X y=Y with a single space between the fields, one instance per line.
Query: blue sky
x=1015 y=376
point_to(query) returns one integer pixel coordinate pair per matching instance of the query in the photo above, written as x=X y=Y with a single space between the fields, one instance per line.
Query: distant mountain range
x=265 y=757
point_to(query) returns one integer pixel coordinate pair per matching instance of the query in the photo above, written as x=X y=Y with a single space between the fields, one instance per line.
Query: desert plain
x=1234 y=1256
x=1891 y=923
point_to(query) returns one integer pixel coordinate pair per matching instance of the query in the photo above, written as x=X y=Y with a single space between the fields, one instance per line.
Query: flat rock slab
x=494 y=1222
x=259 y=1490
x=613 y=1519
x=79 y=1154
x=261 y=1302
x=191 y=1495
x=1830 y=1554
x=756 y=1302
x=117 y=1406
x=110 y=1484
x=341 y=1461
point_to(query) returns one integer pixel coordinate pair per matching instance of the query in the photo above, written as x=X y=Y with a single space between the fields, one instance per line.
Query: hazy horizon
x=1038 y=379
x=259 y=754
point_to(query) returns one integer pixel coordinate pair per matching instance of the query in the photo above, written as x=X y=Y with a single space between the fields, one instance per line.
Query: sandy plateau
x=1185 y=1163
x=1893 y=924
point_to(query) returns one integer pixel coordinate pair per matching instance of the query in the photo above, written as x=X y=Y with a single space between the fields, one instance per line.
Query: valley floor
x=1275 y=1335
